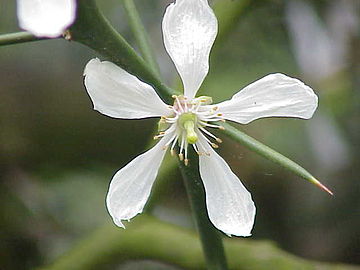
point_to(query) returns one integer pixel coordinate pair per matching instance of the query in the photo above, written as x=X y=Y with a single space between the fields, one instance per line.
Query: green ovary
x=187 y=122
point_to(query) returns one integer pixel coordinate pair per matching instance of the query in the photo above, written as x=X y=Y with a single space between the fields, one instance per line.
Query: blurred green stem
x=210 y=237
x=147 y=238
x=228 y=12
x=16 y=38
x=141 y=37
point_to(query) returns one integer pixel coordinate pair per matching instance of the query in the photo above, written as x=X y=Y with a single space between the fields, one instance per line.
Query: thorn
x=317 y=183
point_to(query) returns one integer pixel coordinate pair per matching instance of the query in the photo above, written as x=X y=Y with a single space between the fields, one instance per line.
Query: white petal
x=229 y=204
x=116 y=93
x=130 y=187
x=46 y=18
x=189 y=29
x=275 y=95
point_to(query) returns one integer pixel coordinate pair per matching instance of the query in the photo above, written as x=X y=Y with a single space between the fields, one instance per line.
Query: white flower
x=189 y=29
x=46 y=18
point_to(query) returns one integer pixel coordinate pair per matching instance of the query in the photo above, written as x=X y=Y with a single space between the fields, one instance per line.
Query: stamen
x=182 y=143
x=195 y=148
x=186 y=162
x=214 y=145
x=172 y=152
x=181 y=157
x=210 y=125
x=174 y=142
x=202 y=146
x=179 y=104
x=210 y=134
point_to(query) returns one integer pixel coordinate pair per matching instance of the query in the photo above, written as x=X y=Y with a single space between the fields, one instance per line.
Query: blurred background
x=57 y=155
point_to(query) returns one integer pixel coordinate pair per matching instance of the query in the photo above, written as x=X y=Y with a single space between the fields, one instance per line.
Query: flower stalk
x=210 y=237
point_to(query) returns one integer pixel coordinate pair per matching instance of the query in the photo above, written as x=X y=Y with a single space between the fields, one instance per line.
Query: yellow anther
x=172 y=152
x=214 y=145
x=181 y=156
x=186 y=162
x=204 y=100
x=221 y=127
x=219 y=140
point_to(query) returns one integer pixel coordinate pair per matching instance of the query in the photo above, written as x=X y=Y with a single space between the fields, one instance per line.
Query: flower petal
x=229 y=204
x=189 y=29
x=46 y=18
x=116 y=93
x=275 y=95
x=130 y=187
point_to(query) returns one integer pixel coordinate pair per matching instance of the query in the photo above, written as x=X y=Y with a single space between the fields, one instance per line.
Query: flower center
x=187 y=121
x=188 y=124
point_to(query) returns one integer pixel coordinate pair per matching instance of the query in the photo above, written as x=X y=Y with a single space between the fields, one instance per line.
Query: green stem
x=270 y=154
x=140 y=34
x=16 y=38
x=210 y=237
x=146 y=238
x=92 y=29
